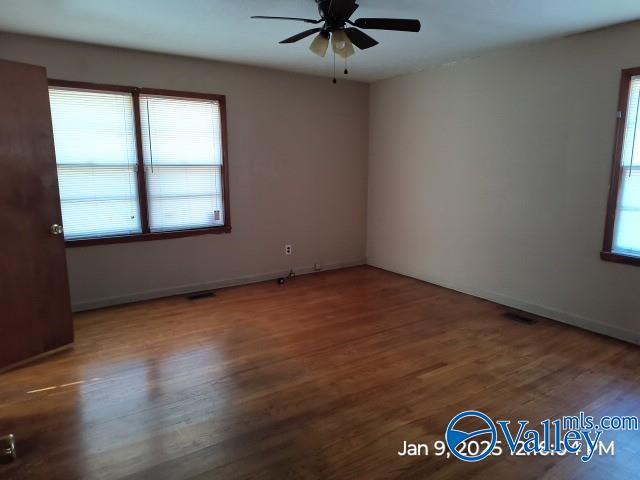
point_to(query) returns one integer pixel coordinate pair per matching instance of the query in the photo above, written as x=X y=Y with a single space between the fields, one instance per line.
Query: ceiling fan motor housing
x=336 y=14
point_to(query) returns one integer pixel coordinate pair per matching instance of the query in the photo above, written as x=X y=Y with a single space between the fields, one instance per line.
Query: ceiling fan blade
x=301 y=35
x=342 y=9
x=306 y=20
x=360 y=39
x=397 y=24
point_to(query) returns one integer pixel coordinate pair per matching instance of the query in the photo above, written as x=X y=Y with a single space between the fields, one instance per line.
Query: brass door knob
x=8 y=447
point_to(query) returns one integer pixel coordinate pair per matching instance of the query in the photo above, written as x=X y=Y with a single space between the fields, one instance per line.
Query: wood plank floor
x=322 y=378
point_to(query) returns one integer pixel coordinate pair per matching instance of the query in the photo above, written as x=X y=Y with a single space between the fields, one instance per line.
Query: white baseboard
x=198 y=287
x=557 y=315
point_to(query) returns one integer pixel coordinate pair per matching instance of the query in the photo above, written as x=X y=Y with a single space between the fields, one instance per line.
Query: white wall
x=297 y=159
x=490 y=176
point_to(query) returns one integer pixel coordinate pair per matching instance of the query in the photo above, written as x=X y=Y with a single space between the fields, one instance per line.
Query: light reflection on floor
x=141 y=398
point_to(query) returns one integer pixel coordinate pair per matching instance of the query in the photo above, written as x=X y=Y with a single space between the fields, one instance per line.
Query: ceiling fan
x=344 y=33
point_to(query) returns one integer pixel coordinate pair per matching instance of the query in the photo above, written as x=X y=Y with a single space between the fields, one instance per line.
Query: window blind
x=182 y=151
x=95 y=147
x=626 y=238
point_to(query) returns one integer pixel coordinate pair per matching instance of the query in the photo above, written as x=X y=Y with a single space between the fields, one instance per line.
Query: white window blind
x=95 y=146
x=626 y=238
x=182 y=150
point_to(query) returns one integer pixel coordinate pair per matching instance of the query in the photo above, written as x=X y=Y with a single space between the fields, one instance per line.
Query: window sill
x=144 y=237
x=620 y=258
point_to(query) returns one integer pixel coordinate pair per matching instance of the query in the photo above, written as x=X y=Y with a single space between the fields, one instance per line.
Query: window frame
x=607 y=252
x=146 y=234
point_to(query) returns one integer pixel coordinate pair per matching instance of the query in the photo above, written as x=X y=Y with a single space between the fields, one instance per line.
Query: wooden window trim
x=607 y=253
x=620 y=258
x=146 y=234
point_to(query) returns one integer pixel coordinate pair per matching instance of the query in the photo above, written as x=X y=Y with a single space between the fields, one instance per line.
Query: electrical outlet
x=288 y=249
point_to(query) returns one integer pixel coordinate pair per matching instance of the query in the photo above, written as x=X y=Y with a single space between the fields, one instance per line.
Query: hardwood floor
x=325 y=377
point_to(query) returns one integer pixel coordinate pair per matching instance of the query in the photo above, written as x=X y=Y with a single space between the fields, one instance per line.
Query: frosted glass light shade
x=341 y=44
x=320 y=45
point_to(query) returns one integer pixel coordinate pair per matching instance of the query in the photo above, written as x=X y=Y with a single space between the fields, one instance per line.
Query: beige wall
x=297 y=156
x=490 y=177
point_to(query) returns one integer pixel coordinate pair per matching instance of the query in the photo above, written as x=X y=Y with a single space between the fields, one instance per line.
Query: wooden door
x=35 y=312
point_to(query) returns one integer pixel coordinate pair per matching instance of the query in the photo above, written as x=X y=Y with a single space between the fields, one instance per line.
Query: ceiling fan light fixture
x=320 y=44
x=341 y=44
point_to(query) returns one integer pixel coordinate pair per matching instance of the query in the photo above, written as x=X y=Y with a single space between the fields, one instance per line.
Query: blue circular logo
x=460 y=441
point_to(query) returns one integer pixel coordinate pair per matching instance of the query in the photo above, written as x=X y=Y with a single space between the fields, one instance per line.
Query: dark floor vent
x=520 y=317
x=201 y=295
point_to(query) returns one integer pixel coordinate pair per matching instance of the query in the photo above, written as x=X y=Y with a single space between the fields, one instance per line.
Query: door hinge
x=618 y=114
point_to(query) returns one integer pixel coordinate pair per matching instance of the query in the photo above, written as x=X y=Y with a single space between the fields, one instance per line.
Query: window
x=139 y=164
x=96 y=155
x=182 y=149
x=622 y=232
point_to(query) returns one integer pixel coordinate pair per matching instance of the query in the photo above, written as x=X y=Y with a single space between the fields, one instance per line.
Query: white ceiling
x=222 y=29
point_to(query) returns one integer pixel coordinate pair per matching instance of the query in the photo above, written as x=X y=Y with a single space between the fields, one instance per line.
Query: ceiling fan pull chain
x=334 y=68
x=346 y=70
